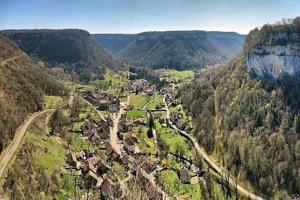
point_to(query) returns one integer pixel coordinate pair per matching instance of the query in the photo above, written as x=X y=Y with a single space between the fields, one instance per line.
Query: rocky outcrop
x=274 y=60
x=273 y=50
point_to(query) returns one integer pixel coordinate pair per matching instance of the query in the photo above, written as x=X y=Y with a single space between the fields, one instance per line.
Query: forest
x=23 y=85
x=71 y=49
x=251 y=125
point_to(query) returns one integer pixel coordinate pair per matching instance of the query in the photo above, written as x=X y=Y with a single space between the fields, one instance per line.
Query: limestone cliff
x=273 y=50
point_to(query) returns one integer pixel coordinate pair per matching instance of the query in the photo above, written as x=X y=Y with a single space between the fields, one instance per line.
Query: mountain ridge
x=173 y=49
x=73 y=49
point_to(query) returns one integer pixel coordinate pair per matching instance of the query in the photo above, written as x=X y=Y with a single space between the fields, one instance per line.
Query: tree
x=58 y=121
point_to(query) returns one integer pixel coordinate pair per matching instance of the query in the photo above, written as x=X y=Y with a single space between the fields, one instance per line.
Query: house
x=149 y=92
x=181 y=124
x=90 y=163
x=169 y=97
x=113 y=108
x=125 y=126
x=102 y=105
x=81 y=155
x=148 y=165
x=102 y=167
x=110 y=190
x=130 y=149
x=131 y=139
x=110 y=121
x=159 y=106
x=174 y=117
x=184 y=176
x=110 y=151
x=72 y=160
x=195 y=180
x=124 y=160
x=92 y=179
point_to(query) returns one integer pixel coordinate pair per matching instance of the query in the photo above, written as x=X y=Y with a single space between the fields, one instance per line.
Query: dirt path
x=209 y=161
x=8 y=152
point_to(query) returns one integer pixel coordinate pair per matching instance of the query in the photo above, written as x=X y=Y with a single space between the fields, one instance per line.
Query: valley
x=143 y=129
x=149 y=115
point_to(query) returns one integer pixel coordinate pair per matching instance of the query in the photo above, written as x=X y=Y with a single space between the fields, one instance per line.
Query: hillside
x=250 y=125
x=70 y=48
x=173 y=49
x=23 y=85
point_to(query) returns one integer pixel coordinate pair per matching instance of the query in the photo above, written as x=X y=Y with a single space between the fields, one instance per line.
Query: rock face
x=276 y=54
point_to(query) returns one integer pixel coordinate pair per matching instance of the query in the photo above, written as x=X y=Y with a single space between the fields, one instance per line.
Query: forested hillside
x=251 y=125
x=173 y=49
x=22 y=87
x=71 y=49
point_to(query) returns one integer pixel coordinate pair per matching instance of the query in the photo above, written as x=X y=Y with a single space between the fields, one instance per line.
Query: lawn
x=52 y=101
x=138 y=101
x=175 y=187
x=51 y=154
x=135 y=114
x=173 y=141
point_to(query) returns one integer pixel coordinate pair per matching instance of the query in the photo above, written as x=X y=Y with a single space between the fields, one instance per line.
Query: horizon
x=136 y=16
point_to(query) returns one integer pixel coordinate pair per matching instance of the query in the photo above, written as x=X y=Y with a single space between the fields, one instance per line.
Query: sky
x=134 y=16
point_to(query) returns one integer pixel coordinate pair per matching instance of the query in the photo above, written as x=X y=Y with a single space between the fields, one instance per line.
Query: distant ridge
x=72 y=49
x=173 y=49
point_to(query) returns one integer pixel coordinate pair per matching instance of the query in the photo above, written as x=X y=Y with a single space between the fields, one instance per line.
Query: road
x=242 y=191
x=8 y=152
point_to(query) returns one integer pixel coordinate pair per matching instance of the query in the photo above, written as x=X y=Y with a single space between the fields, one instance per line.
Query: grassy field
x=113 y=82
x=135 y=114
x=51 y=154
x=173 y=141
x=138 y=101
x=175 y=187
x=153 y=104
x=178 y=75
x=52 y=101
x=146 y=144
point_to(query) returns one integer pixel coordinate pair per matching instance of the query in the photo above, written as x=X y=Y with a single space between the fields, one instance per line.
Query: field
x=135 y=114
x=52 y=102
x=174 y=142
x=51 y=155
x=138 y=101
x=172 y=74
x=158 y=100
x=146 y=144
x=175 y=187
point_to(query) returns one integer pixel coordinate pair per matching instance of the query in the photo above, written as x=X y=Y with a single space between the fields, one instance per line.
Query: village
x=128 y=145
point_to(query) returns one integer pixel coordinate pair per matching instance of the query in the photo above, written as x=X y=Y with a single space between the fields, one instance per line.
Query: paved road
x=8 y=152
x=209 y=161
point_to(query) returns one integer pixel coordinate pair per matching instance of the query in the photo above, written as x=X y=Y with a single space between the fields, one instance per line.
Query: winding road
x=9 y=151
x=242 y=191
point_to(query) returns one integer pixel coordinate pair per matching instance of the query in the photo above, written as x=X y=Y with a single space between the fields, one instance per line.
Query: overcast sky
x=133 y=16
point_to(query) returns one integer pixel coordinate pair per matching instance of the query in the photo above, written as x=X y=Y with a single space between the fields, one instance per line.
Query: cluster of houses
x=98 y=132
x=178 y=122
x=103 y=101
x=141 y=85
